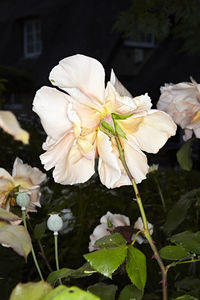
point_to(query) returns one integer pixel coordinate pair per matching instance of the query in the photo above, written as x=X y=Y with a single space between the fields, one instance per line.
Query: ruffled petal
x=6 y=180
x=82 y=72
x=150 y=132
x=109 y=170
x=51 y=106
x=26 y=172
x=9 y=124
x=71 y=166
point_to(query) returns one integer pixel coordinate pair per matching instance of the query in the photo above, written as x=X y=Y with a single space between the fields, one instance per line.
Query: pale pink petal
x=21 y=170
x=115 y=219
x=151 y=131
x=71 y=166
x=136 y=161
x=6 y=181
x=109 y=170
x=82 y=72
x=197 y=132
x=122 y=91
x=9 y=124
x=51 y=106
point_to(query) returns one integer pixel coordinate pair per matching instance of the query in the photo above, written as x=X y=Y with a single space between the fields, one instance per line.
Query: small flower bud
x=55 y=223
x=23 y=200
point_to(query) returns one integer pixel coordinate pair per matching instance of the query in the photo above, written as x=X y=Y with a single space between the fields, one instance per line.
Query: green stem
x=32 y=250
x=56 y=253
x=144 y=219
x=181 y=262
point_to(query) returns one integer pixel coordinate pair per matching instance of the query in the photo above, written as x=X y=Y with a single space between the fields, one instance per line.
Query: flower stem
x=32 y=250
x=144 y=219
x=56 y=253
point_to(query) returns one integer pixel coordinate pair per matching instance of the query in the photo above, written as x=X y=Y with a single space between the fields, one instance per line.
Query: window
x=32 y=38
x=143 y=41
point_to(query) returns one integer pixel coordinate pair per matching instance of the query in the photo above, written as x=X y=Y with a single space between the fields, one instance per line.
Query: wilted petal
x=9 y=124
x=109 y=170
x=21 y=170
x=82 y=72
x=51 y=106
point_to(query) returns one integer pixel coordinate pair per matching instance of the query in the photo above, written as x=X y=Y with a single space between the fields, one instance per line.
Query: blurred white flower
x=111 y=223
x=9 y=124
x=72 y=122
x=140 y=226
x=153 y=168
x=182 y=102
x=24 y=179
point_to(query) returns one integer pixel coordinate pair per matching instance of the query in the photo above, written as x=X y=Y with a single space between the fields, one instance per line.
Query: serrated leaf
x=121 y=117
x=136 y=267
x=173 y=252
x=186 y=297
x=30 y=291
x=15 y=237
x=66 y=273
x=8 y=216
x=184 y=155
x=106 y=261
x=187 y=239
x=72 y=293
x=39 y=230
x=130 y=292
x=110 y=241
x=103 y=291
x=180 y=209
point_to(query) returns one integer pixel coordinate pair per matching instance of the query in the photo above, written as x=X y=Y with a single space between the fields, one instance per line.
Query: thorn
x=153 y=256
x=165 y=282
x=138 y=195
x=153 y=242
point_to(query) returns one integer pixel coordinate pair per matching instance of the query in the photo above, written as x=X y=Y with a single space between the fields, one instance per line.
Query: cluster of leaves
x=162 y=18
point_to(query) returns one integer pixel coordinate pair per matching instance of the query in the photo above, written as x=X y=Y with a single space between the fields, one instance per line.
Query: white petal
x=118 y=85
x=153 y=131
x=108 y=168
x=21 y=170
x=6 y=180
x=51 y=106
x=136 y=161
x=115 y=219
x=188 y=134
x=82 y=72
x=9 y=124
x=99 y=232
x=71 y=166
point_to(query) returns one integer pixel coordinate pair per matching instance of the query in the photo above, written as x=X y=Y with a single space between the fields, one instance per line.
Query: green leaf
x=8 y=216
x=66 y=273
x=30 y=291
x=103 y=291
x=184 y=155
x=186 y=297
x=107 y=127
x=130 y=292
x=119 y=130
x=121 y=117
x=111 y=241
x=72 y=293
x=180 y=209
x=187 y=239
x=39 y=230
x=15 y=237
x=189 y=283
x=106 y=261
x=136 y=267
x=173 y=252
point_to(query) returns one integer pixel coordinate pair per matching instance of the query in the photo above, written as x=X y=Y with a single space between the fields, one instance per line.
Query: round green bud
x=23 y=199
x=55 y=223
